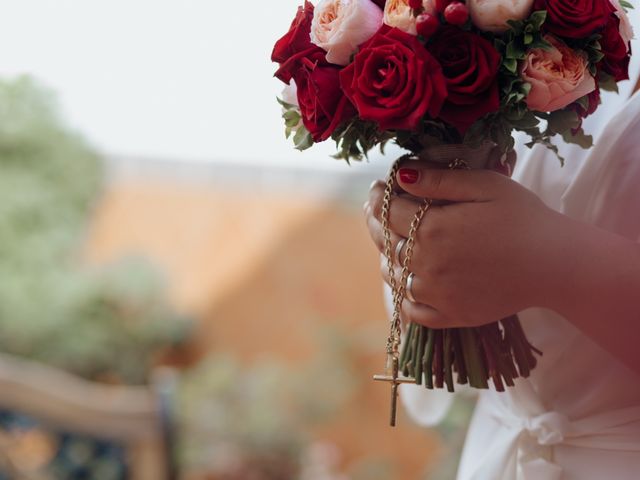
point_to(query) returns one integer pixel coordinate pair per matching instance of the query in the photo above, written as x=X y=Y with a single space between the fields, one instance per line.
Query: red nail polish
x=409 y=175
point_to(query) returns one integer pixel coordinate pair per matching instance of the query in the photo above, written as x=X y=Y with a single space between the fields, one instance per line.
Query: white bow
x=524 y=450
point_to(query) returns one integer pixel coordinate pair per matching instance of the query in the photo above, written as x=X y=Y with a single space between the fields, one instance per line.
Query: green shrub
x=53 y=308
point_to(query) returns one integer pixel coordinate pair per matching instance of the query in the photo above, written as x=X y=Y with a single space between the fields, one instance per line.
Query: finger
x=377 y=235
x=419 y=311
x=383 y=184
x=419 y=288
x=452 y=185
x=423 y=315
x=401 y=212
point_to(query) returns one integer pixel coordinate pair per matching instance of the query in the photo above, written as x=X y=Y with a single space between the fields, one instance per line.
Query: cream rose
x=558 y=76
x=398 y=13
x=626 y=30
x=290 y=93
x=492 y=15
x=339 y=26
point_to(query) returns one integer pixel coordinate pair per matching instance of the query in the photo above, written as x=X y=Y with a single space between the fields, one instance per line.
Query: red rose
x=470 y=64
x=575 y=18
x=322 y=102
x=295 y=44
x=323 y=105
x=394 y=81
x=616 y=57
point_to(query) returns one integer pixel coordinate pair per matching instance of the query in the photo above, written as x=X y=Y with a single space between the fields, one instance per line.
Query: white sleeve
x=606 y=190
x=425 y=407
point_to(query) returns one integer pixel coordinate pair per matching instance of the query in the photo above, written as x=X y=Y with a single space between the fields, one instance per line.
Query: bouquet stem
x=499 y=352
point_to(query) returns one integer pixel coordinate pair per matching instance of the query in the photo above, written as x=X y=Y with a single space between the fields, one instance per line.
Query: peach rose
x=558 y=76
x=339 y=26
x=492 y=15
x=398 y=14
x=626 y=30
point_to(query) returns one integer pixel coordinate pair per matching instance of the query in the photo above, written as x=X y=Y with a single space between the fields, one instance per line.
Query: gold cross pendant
x=395 y=381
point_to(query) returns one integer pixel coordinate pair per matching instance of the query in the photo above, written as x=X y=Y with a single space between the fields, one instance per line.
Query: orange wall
x=258 y=270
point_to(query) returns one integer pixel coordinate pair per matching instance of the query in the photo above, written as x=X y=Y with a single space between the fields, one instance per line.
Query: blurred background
x=182 y=294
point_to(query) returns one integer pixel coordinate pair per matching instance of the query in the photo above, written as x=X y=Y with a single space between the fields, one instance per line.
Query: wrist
x=589 y=268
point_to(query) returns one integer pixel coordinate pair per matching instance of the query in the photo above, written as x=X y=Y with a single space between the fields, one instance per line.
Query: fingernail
x=365 y=206
x=373 y=185
x=408 y=175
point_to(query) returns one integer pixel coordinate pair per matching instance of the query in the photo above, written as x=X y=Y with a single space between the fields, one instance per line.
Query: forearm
x=597 y=288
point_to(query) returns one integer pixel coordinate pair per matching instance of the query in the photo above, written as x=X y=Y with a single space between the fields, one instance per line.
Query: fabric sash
x=524 y=449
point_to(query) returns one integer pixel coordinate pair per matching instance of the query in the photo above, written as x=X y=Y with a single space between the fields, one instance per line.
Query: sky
x=175 y=79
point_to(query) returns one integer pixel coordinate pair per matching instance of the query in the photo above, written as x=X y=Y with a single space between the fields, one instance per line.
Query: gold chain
x=398 y=288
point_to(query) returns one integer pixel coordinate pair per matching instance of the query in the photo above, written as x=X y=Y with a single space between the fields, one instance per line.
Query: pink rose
x=558 y=76
x=626 y=30
x=340 y=26
x=399 y=14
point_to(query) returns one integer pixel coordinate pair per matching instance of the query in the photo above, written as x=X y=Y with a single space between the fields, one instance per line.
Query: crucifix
x=398 y=288
x=392 y=376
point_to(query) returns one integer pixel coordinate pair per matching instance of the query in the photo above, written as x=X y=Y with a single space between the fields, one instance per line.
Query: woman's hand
x=492 y=253
x=498 y=250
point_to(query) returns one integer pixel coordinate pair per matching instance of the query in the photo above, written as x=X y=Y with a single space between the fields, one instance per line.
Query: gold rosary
x=398 y=289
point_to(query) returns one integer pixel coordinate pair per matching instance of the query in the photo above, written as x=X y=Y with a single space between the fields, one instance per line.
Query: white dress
x=578 y=416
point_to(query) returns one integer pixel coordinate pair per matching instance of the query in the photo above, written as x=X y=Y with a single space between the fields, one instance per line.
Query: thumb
x=452 y=185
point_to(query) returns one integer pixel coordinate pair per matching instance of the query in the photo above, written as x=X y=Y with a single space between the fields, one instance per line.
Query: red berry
x=427 y=24
x=456 y=13
x=440 y=5
x=415 y=4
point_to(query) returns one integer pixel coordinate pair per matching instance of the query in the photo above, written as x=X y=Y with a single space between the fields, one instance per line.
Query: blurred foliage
x=90 y=321
x=253 y=421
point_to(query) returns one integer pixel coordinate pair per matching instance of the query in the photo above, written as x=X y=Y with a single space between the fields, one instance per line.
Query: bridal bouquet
x=450 y=82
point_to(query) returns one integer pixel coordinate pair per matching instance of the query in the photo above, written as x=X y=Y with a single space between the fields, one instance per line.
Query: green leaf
x=477 y=133
x=287 y=106
x=578 y=137
x=562 y=120
x=528 y=121
x=626 y=5
x=583 y=102
x=356 y=138
x=302 y=139
x=607 y=82
x=510 y=64
x=291 y=118
x=514 y=51
x=597 y=57
x=546 y=141
x=538 y=18
x=515 y=26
